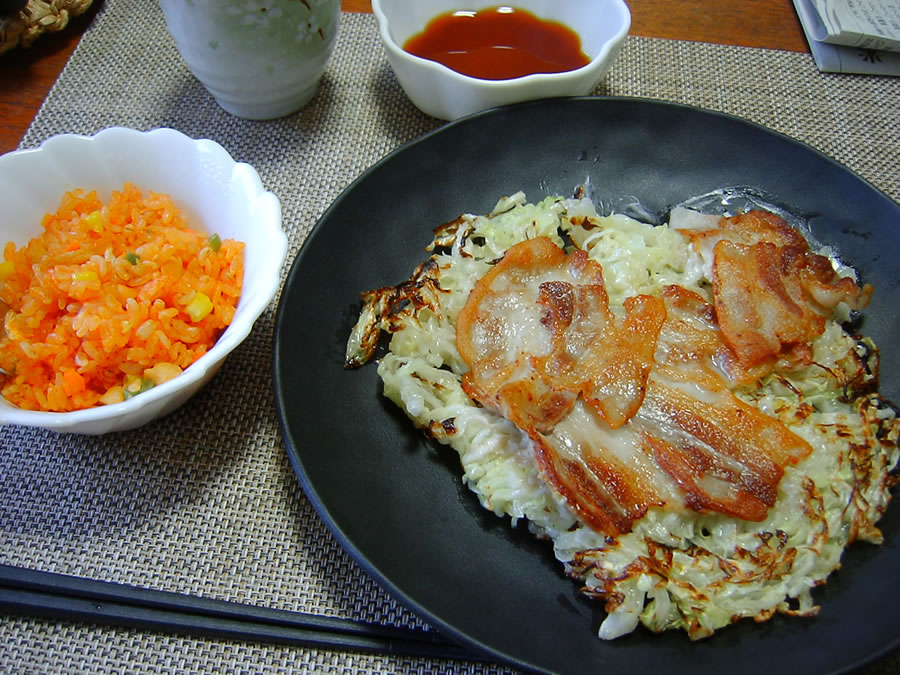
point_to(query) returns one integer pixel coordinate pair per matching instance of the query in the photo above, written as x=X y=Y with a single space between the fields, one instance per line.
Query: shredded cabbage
x=690 y=571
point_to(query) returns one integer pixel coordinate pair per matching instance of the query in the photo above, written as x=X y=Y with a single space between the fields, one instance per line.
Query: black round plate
x=396 y=501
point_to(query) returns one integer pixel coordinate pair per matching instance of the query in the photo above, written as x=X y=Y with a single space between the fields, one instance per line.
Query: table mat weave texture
x=205 y=501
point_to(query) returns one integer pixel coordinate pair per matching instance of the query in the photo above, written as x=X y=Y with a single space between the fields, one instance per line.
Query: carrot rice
x=111 y=300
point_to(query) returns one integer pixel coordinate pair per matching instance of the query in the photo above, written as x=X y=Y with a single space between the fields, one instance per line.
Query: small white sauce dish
x=215 y=193
x=436 y=90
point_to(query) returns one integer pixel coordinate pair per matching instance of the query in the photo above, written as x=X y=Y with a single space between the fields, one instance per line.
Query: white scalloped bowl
x=214 y=192
x=602 y=26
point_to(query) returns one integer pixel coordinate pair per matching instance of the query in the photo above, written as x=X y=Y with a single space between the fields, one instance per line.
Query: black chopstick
x=60 y=596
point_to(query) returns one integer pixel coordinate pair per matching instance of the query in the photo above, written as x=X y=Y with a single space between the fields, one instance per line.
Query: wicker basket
x=23 y=27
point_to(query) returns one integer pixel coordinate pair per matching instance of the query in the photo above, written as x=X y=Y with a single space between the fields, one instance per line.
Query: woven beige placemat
x=205 y=501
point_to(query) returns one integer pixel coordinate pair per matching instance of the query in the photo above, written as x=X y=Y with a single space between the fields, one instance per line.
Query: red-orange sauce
x=498 y=43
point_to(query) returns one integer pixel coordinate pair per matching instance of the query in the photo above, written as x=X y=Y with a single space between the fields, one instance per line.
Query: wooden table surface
x=26 y=75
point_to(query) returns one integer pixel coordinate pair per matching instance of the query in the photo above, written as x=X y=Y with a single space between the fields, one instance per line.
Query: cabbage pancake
x=677 y=408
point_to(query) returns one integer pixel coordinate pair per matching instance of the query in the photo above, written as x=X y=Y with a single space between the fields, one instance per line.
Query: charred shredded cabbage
x=676 y=565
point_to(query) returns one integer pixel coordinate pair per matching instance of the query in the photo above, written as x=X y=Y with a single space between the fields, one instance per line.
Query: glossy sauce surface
x=498 y=43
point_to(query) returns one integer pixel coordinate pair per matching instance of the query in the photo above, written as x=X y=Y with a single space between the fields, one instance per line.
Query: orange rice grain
x=104 y=295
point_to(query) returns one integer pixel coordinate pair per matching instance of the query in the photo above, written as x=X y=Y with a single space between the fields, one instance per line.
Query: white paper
x=831 y=58
x=867 y=24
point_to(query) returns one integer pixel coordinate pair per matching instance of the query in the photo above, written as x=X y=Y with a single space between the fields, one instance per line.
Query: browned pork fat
x=772 y=294
x=625 y=412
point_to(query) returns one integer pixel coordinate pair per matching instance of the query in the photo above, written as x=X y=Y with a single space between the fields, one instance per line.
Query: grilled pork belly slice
x=771 y=292
x=625 y=412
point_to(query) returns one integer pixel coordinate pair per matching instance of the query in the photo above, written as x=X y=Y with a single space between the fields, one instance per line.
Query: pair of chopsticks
x=60 y=596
